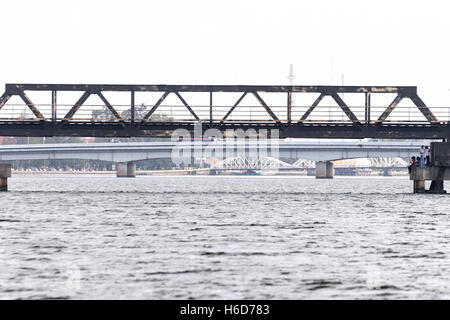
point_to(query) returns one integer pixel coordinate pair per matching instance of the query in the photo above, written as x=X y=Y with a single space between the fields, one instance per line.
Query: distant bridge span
x=135 y=151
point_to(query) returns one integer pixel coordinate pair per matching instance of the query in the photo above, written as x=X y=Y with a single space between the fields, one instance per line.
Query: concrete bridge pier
x=438 y=172
x=419 y=186
x=5 y=173
x=324 y=170
x=126 y=169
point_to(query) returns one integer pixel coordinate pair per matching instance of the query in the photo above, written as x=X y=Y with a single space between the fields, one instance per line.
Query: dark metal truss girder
x=77 y=106
x=158 y=103
x=109 y=106
x=234 y=106
x=86 y=95
x=160 y=100
x=338 y=100
x=88 y=89
x=164 y=129
x=211 y=88
x=7 y=94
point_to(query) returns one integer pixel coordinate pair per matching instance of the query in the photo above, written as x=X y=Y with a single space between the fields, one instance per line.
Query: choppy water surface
x=72 y=236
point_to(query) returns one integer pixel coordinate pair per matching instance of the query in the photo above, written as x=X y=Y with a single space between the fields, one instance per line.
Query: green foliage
x=139 y=113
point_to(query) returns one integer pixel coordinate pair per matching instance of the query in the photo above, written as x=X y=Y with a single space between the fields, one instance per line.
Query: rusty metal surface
x=54 y=105
x=164 y=129
x=234 y=106
x=157 y=104
x=208 y=88
x=423 y=108
x=109 y=106
x=4 y=98
x=390 y=108
x=313 y=106
x=291 y=125
x=77 y=105
x=345 y=108
x=30 y=105
x=186 y=105
x=367 y=105
x=263 y=103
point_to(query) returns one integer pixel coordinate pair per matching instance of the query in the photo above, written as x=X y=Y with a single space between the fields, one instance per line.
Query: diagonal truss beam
x=234 y=106
x=77 y=105
x=313 y=106
x=187 y=106
x=391 y=107
x=30 y=105
x=423 y=108
x=109 y=106
x=4 y=98
x=269 y=111
x=344 y=107
x=158 y=103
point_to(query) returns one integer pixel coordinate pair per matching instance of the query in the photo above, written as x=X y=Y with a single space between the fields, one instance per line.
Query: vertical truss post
x=367 y=108
x=132 y=116
x=54 y=105
x=210 y=108
x=289 y=106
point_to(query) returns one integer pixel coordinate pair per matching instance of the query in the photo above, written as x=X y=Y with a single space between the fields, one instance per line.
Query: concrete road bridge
x=125 y=155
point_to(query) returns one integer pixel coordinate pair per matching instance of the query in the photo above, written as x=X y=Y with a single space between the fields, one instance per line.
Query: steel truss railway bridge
x=79 y=118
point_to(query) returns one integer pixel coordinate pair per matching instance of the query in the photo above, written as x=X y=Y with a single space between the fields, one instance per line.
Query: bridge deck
x=42 y=128
x=221 y=149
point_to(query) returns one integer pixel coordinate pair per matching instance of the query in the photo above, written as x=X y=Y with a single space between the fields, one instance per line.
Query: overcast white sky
x=228 y=42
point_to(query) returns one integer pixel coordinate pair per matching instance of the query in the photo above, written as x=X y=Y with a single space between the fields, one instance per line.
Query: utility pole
x=290 y=97
x=342 y=81
x=291 y=76
x=332 y=83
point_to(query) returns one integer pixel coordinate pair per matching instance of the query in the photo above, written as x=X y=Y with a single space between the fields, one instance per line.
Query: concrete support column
x=5 y=173
x=419 y=186
x=324 y=170
x=126 y=169
x=437 y=186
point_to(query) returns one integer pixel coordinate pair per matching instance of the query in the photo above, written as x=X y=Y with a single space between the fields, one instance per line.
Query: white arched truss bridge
x=249 y=163
x=381 y=162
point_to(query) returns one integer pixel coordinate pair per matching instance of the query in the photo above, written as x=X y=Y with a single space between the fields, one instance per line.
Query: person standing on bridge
x=422 y=155
x=427 y=156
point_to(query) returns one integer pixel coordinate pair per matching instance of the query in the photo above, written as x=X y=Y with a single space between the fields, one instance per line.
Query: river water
x=222 y=237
